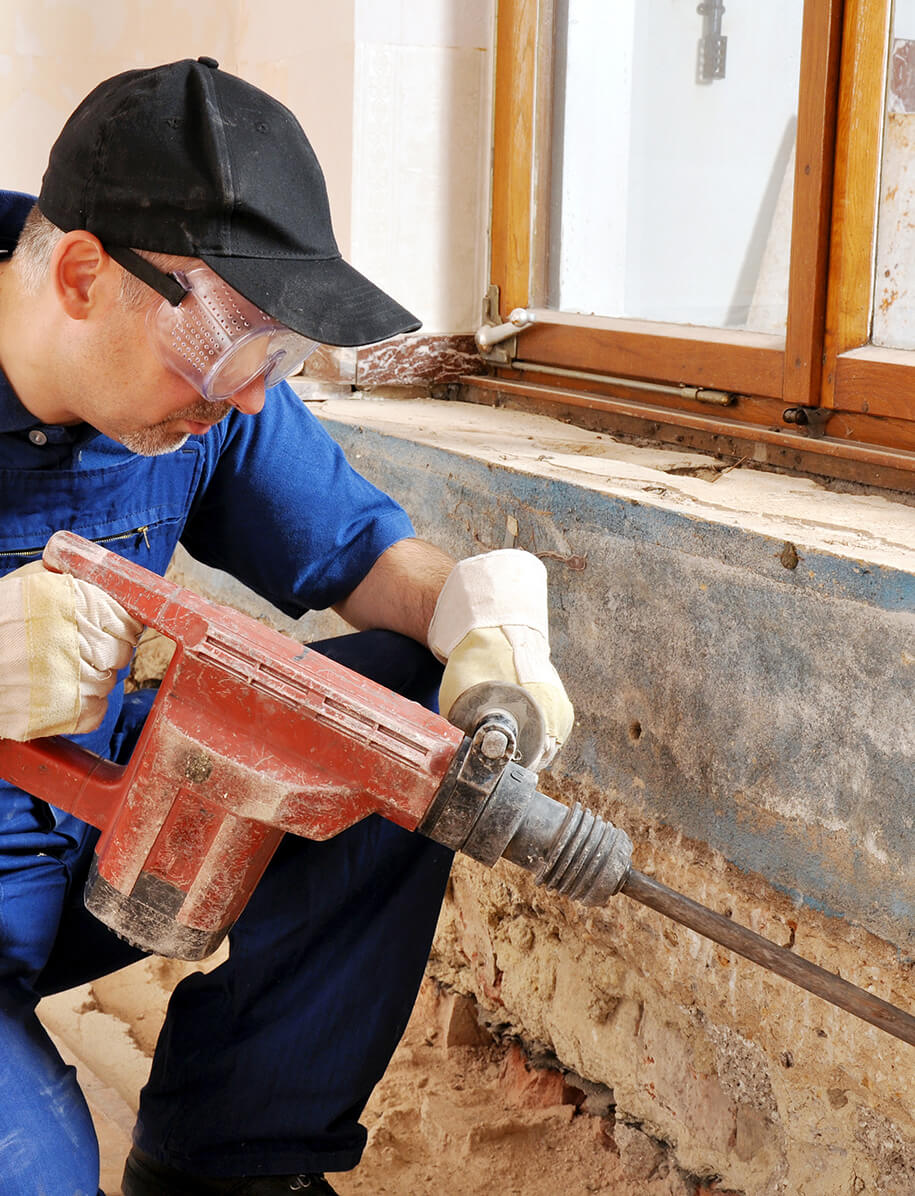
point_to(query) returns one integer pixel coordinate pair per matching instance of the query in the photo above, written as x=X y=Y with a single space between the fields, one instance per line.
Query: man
x=181 y=259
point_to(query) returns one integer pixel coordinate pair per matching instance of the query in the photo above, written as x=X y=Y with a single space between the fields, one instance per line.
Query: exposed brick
x=534 y=1088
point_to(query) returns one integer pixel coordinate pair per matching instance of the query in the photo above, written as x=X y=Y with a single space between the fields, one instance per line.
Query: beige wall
x=302 y=51
x=394 y=95
x=57 y=50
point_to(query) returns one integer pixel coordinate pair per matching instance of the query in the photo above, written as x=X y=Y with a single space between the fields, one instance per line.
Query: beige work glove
x=491 y=624
x=62 y=642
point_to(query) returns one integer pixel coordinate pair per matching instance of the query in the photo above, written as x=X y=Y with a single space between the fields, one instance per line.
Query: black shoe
x=143 y=1176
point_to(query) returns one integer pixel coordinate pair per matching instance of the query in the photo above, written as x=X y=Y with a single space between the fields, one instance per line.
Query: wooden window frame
x=633 y=375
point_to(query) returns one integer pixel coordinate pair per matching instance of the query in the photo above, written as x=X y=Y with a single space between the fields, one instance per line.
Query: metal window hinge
x=497 y=342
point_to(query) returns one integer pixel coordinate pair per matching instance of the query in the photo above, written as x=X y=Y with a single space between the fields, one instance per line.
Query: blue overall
x=264 y=1065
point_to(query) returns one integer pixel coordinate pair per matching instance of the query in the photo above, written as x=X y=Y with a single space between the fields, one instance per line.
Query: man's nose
x=250 y=399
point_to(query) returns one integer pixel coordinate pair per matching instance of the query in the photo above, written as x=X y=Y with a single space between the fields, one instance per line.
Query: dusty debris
x=457 y=1114
x=480 y=1119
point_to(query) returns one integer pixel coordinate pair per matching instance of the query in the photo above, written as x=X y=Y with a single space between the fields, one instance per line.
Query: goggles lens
x=219 y=341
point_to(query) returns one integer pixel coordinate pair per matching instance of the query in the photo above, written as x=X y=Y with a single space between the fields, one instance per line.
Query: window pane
x=894 y=293
x=671 y=188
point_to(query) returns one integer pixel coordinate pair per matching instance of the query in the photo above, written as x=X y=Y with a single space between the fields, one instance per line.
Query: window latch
x=496 y=342
x=711 y=57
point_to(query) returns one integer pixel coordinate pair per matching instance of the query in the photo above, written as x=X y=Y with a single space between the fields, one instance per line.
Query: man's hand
x=62 y=642
x=491 y=624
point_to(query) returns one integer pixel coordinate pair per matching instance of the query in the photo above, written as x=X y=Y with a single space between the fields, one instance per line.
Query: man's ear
x=82 y=274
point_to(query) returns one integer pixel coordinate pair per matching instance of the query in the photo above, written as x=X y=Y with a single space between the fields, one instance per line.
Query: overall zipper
x=136 y=531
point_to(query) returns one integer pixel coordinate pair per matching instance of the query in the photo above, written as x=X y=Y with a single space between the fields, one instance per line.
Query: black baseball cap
x=188 y=159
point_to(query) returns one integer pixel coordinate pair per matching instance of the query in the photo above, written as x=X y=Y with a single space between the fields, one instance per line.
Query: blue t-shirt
x=268 y=498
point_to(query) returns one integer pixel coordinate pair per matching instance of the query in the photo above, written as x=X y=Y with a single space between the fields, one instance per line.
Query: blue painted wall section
x=759 y=698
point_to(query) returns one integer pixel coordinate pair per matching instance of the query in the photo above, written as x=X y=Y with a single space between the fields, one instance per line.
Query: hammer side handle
x=156 y=602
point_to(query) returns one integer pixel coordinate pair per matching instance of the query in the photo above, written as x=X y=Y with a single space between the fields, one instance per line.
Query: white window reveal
x=672 y=172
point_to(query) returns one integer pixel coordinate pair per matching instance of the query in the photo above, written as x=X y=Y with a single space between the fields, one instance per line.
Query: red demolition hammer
x=252 y=735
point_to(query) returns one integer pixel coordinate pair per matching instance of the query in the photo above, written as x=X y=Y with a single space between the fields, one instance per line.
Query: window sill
x=873 y=529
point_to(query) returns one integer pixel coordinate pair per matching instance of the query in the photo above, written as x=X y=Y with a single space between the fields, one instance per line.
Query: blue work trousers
x=263 y=1065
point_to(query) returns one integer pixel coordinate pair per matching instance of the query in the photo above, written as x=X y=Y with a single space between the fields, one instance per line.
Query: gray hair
x=32 y=255
x=38 y=240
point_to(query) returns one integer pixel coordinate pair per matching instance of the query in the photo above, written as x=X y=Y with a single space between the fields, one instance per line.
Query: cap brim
x=324 y=299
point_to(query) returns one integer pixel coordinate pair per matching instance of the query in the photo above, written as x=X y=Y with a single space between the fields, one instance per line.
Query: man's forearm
x=400 y=590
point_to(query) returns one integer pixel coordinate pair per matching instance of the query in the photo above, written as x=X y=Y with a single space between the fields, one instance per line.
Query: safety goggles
x=211 y=335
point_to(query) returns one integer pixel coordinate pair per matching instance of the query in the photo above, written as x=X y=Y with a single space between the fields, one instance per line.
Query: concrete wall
x=746 y=683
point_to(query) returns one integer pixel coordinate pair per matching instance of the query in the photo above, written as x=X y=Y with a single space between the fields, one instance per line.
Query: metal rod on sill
x=700 y=394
